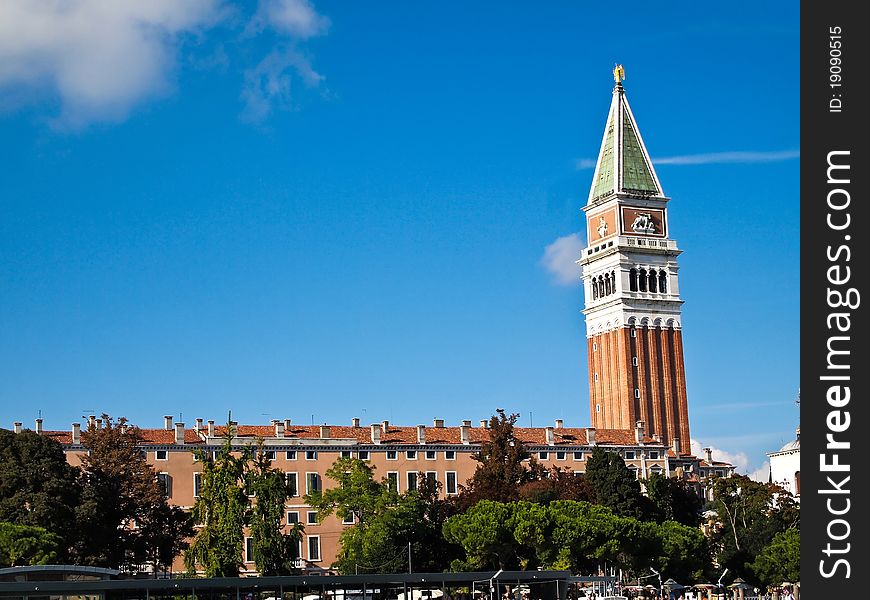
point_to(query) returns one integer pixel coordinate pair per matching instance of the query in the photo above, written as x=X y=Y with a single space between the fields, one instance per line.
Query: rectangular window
x=314 y=548
x=719 y=472
x=291 y=455
x=311 y=455
x=165 y=481
x=292 y=517
x=450 y=454
x=412 y=480
x=633 y=361
x=270 y=454
x=392 y=455
x=432 y=476
x=363 y=454
x=411 y=455
x=560 y=456
x=636 y=393
x=578 y=456
x=633 y=332
x=393 y=481
x=543 y=455
x=431 y=455
x=311 y=517
x=594 y=346
x=249 y=489
x=161 y=455
x=654 y=454
x=595 y=377
x=629 y=454
x=346 y=454
x=293 y=483
x=197 y=484
x=312 y=482
x=450 y=483
x=249 y=550
x=598 y=408
x=348 y=520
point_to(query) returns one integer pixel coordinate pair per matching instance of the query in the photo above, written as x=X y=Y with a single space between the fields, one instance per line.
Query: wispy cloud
x=728 y=157
x=738 y=459
x=559 y=259
x=762 y=473
x=712 y=158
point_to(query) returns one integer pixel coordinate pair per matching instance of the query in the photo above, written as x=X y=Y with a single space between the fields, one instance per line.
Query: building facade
x=785 y=466
x=631 y=287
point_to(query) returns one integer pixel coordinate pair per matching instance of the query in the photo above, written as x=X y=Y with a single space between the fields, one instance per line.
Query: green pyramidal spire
x=624 y=165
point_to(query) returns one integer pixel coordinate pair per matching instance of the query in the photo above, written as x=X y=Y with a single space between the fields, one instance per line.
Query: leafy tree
x=780 y=560
x=37 y=485
x=751 y=514
x=674 y=500
x=220 y=509
x=486 y=534
x=501 y=470
x=615 y=485
x=385 y=522
x=25 y=545
x=274 y=551
x=120 y=498
x=165 y=532
x=559 y=484
x=684 y=553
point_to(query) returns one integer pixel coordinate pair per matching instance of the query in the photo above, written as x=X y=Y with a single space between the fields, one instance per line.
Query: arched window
x=797 y=483
x=642 y=280
x=601 y=286
x=594 y=290
x=653 y=280
x=663 y=282
x=613 y=280
x=607 y=288
x=632 y=280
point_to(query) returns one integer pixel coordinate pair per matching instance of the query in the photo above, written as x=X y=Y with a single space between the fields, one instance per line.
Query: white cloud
x=560 y=256
x=762 y=473
x=268 y=85
x=739 y=459
x=296 y=18
x=98 y=58
x=711 y=158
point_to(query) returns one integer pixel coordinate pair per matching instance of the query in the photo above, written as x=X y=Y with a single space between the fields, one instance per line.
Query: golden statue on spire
x=618 y=73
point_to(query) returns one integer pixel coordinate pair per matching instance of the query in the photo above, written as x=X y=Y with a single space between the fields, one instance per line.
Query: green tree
x=751 y=514
x=559 y=484
x=275 y=552
x=485 y=532
x=615 y=485
x=501 y=469
x=674 y=500
x=220 y=509
x=25 y=545
x=37 y=486
x=684 y=552
x=780 y=560
x=120 y=498
x=357 y=495
x=165 y=532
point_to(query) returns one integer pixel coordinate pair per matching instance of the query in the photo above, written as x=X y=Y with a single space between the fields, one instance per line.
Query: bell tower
x=631 y=288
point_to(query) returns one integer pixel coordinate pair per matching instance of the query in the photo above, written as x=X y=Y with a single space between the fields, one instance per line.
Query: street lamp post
x=660 y=579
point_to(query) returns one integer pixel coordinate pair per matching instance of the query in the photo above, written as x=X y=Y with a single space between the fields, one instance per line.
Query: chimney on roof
x=16 y=427
x=355 y=422
x=376 y=433
x=465 y=432
x=421 y=433
x=38 y=426
x=287 y=423
x=324 y=432
x=675 y=444
x=559 y=423
x=438 y=423
x=179 y=433
x=549 y=436
x=590 y=436
x=798 y=434
x=76 y=433
x=99 y=423
x=198 y=425
x=211 y=428
x=483 y=423
x=167 y=422
x=708 y=454
x=386 y=426
x=279 y=428
x=92 y=421
x=657 y=438
x=638 y=432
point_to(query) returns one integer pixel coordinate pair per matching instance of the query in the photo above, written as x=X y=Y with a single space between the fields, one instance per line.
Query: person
x=789 y=595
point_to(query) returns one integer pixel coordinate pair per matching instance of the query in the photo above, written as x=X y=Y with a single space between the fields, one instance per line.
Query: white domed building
x=785 y=466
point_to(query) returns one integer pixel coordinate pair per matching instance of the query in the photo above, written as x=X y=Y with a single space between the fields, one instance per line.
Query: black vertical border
x=824 y=131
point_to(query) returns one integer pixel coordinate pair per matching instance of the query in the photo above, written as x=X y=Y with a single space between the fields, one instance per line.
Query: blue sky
x=321 y=211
